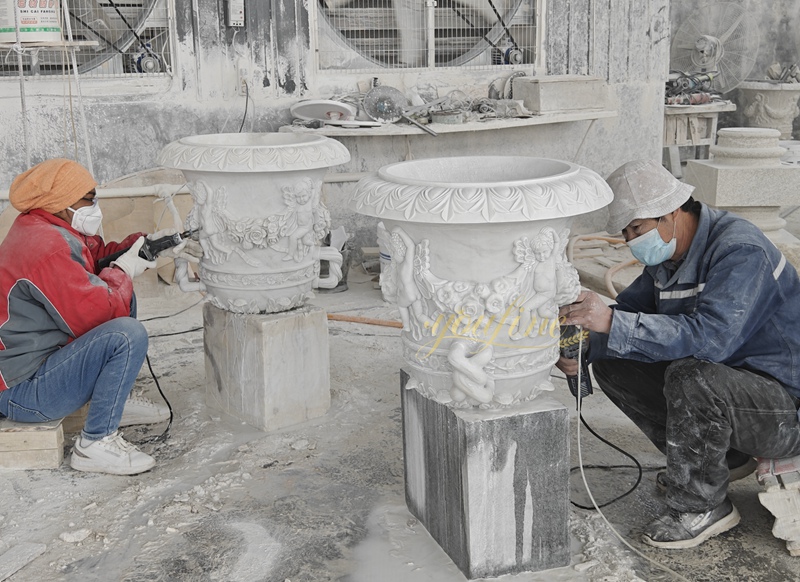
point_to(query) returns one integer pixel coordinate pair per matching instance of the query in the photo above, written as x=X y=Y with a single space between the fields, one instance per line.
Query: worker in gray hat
x=701 y=351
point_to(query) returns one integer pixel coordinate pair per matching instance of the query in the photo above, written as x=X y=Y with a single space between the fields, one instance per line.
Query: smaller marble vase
x=257 y=204
x=770 y=105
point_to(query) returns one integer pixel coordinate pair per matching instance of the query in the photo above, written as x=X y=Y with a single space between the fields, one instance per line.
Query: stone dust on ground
x=324 y=500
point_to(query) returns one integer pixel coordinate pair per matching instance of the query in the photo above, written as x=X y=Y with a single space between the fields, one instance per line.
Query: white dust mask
x=650 y=249
x=87 y=219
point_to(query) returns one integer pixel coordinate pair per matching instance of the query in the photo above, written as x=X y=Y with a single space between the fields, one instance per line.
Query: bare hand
x=589 y=312
x=568 y=366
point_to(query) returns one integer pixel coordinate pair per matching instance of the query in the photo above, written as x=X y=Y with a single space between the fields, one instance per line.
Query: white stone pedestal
x=746 y=177
x=269 y=370
x=491 y=486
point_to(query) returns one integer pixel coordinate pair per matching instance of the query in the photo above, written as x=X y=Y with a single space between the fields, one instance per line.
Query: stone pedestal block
x=35 y=445
x=746 y=177
x=560 y=93
x=490 y=485
x=270 y=370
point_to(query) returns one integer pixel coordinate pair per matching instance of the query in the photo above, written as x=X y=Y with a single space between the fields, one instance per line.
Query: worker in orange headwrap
x=68 y=335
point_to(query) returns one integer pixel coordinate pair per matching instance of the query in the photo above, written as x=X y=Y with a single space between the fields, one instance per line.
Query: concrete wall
x=625 y=42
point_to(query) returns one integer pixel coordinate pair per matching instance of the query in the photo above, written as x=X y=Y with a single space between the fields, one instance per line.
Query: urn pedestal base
x=491 y=486
x=269 y=370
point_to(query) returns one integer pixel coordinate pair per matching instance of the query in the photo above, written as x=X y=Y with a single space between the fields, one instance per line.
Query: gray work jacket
x=733 y=299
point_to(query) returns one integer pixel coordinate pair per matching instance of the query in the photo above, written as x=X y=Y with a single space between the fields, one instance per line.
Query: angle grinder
x=151 y=248
x=575 y=340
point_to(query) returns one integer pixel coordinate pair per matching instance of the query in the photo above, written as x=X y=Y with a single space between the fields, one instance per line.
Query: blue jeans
x=705 y=417
x=100 y=366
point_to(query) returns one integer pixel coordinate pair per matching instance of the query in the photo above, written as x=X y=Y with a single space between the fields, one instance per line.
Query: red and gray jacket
x=51 y=292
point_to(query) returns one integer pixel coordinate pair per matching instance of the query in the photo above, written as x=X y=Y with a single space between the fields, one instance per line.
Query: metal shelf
x=489 y=124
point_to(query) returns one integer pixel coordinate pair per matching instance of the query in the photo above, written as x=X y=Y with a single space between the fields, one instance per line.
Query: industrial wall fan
x=396 y=33
x=132 y=37
x=719 y=38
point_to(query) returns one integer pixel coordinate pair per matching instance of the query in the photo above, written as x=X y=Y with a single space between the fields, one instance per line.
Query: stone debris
x=75 y=537
x=781 y=496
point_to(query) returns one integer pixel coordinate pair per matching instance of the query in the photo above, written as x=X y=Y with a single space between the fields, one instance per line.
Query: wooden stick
x=367 y=320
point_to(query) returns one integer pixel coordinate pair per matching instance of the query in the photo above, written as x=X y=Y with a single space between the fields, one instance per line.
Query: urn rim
x=460 y=190
x=253 y=152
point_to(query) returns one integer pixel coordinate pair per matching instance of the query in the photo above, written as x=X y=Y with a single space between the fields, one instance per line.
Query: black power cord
x=165 y=433
x=246 y=101
x=638 y=467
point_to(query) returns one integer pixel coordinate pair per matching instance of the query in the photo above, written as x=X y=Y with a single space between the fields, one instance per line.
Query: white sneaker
x=111 y=454
x=140 y=410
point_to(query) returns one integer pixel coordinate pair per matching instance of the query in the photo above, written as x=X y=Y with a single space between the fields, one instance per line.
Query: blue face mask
x=650 y=249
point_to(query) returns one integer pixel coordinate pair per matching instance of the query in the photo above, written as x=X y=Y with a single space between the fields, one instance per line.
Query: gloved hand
x=188 y=249
x=131 y=262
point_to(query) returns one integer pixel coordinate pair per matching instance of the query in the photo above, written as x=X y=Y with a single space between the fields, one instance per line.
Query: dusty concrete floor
x=324 y=500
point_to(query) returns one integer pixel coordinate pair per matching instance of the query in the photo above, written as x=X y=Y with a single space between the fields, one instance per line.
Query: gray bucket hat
x=643 y=189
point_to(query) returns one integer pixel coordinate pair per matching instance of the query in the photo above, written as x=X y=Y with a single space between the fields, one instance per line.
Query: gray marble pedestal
x=270 y=370
x=490 y=486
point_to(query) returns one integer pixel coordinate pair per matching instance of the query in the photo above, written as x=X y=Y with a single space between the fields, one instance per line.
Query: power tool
x=151 y=248
x=575 y=339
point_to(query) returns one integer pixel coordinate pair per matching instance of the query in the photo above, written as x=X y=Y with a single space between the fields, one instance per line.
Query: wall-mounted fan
x=132 y=37
x=719 y=37
x=397 y=33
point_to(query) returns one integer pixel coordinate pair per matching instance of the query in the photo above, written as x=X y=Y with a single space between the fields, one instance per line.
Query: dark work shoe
x=677 y=531
x=736 y=474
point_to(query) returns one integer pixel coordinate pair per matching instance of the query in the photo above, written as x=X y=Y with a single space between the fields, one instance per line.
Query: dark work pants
x=705 y=417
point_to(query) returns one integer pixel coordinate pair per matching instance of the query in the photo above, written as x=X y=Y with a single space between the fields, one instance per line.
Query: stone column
x=746 y=177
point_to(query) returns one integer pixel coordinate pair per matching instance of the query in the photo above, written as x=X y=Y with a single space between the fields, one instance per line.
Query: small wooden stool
x=28 y=445
x=73 y=424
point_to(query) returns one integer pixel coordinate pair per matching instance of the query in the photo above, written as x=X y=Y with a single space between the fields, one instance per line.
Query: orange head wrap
x=52 y=186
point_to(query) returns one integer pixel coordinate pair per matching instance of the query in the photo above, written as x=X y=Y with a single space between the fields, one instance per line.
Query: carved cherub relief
x=299 y=219
x=538 y=279
x=210 y=206
x=408 y=296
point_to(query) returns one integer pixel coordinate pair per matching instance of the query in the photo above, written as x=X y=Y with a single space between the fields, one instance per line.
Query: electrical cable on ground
x=589 y=491
x=173 y=314
x=165 y=433
x=638 y=466
x=176 y=332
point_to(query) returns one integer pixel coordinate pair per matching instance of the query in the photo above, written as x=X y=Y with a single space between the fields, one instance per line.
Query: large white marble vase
x=479 y=268
x=257 y=203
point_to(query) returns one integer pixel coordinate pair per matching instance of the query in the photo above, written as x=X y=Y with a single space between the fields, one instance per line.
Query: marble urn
x=479 y=269
x=257 y=204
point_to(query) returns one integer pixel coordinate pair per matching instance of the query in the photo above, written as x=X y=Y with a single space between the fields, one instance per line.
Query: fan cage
x=133 y=39
x=375 y=35
x=736 y=33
